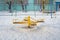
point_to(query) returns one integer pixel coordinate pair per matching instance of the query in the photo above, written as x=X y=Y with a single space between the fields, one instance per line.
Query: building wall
x=17 y=7
x=57 y=0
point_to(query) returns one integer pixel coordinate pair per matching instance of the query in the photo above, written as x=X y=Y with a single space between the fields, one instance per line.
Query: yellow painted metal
x=29 y=22
x=41 y=20
x=19 y=22
x=26 y=19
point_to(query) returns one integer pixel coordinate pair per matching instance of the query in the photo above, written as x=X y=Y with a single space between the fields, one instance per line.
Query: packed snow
x=48 y=30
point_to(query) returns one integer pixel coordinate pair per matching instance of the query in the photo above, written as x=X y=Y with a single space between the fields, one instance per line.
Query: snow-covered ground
x=49 y=30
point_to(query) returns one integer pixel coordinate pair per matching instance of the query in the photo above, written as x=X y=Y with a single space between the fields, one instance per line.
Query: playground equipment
x=48 y=6
x=27 y=20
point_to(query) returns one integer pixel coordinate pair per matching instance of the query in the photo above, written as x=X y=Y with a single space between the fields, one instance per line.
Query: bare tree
x=23 y=4
x=9 y=4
